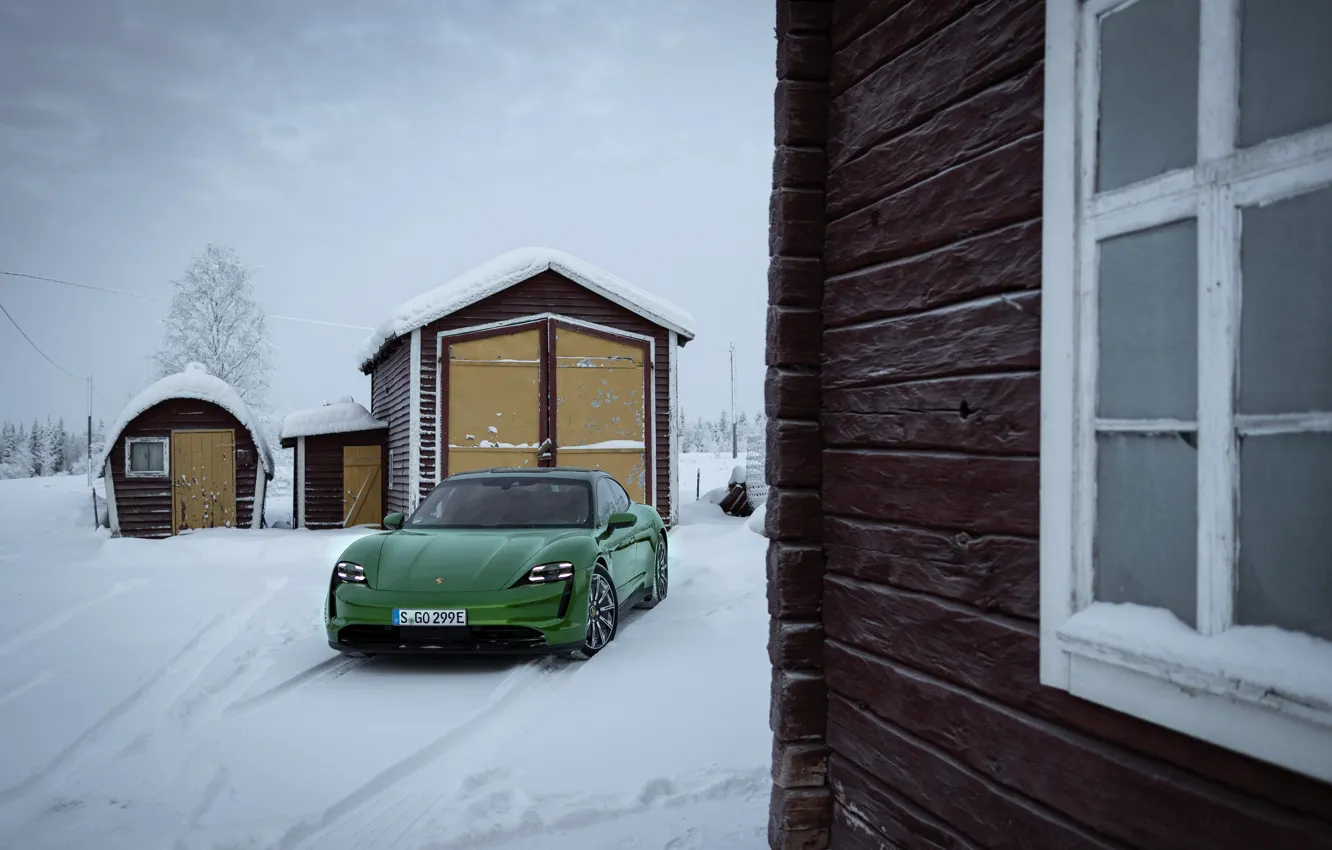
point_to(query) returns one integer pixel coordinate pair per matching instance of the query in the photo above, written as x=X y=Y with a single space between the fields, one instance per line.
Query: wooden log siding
x=904 y=397
x=549 y=292
x=143 y=505
x=323 y=476
x=390 y=382
x=800 y=812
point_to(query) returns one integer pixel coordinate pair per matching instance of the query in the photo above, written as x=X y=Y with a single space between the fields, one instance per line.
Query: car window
x=605 y=502
x=620 y=500
x=505 y=502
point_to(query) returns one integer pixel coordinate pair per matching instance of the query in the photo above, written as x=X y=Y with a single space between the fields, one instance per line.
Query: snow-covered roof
x=513 y=268
x=195 y=383
x=336 y=417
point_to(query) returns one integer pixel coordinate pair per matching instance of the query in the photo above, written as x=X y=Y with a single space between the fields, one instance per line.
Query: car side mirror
x=624 y=519
x=393 y=521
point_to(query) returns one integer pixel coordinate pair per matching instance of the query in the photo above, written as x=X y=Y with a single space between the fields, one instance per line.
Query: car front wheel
x=603 y=614
x=660 y=576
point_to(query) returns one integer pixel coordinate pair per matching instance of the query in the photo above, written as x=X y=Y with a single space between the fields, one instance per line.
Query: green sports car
x=501 y=561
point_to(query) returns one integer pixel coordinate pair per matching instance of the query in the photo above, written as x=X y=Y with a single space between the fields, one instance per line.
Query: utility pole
x=735 y=448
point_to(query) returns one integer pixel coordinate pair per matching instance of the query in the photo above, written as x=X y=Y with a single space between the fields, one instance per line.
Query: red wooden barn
x=339 y=465
x=535 y=358
x=1050 y=387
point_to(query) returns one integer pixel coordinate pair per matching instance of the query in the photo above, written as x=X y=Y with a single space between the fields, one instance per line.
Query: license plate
x=428 y=617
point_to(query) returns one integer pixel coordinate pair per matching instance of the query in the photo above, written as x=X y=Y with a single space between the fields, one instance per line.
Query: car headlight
x=349 y=572
x=546 y=573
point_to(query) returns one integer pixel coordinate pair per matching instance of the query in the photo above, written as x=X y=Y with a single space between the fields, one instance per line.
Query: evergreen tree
x=21 y=464
x=8 y=442
x=55 y=447
x=36 y=448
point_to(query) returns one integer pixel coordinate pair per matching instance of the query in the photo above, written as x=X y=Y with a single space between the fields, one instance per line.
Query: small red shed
x=339 y=466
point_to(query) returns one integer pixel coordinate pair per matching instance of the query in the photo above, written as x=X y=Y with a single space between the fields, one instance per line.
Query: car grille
x=443 y=637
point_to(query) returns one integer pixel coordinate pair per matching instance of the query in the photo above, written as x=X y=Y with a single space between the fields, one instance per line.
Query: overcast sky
x=358 y=154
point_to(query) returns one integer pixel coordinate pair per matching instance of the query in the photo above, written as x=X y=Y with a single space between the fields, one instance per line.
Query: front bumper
x=518 y=621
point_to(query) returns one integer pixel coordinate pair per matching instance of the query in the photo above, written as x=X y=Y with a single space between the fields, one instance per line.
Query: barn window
x=1186 y=441
x=146 y=457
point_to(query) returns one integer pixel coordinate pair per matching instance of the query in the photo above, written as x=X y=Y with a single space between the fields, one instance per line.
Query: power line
x=162 y=298
x=35 y=347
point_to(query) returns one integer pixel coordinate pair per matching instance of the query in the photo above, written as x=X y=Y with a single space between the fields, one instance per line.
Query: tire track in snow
x=50 y=624
x=319 y=674
x=377 y=803
x=33 y=682
x=143 y=707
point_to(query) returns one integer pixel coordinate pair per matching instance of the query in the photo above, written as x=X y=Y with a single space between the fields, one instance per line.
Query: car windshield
x=506 y=502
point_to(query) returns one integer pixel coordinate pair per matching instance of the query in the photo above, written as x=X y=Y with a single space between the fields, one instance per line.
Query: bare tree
x=214 y=320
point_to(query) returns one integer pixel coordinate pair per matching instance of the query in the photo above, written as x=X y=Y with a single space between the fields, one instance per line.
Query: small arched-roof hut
x=533 y=358
x=186 y=453
x=339 y=468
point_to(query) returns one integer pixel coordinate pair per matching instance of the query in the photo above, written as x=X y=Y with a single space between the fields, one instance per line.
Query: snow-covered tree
x=214 y=320
x=18 y=455
x=55 y=447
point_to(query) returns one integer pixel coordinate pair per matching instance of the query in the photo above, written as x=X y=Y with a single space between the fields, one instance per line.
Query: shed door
x=203 y=480
x=495 y=404
x=600 y=406
x=361 y=485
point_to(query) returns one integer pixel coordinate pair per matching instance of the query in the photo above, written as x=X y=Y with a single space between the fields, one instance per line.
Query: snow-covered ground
x=180 y=694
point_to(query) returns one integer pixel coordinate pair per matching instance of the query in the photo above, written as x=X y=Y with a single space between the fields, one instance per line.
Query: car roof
x=563 y=471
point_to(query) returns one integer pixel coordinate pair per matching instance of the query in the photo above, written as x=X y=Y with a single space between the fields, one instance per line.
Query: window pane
x=1148 y=322
x=1285 y=68
x=1286 y=308
x=147 y=457
x=1146 y=522
x=1285 y=533
x=1149 y=92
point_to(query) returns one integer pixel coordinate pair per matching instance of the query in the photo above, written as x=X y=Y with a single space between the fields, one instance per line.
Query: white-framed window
x=147 y=457
x=1186 y=424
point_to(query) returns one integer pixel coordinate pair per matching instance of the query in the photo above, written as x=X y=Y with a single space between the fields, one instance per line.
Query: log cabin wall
x=143 y=505
x=390 y=401
x=903 y=579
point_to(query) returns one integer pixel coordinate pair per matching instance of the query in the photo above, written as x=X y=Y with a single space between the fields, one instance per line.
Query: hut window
x=1186 y=358
x=146 y=457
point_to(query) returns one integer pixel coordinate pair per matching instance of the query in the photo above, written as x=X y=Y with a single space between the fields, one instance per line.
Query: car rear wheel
x=660 y=576
x=603 y=614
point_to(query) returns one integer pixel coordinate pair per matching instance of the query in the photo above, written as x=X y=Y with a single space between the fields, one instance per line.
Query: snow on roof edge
x=195 y=384
x=339 y=417
x=510 y=269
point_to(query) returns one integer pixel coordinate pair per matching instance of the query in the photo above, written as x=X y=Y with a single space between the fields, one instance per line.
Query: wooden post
x=698 y=486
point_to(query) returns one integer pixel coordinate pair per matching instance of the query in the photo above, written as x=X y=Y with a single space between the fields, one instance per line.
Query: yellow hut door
x=203 y=480
x=601 y=405
x=361 y=485
x=495 y=404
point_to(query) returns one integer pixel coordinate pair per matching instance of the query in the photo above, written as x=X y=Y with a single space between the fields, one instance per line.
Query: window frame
x=166 y=457
x=1096 y=650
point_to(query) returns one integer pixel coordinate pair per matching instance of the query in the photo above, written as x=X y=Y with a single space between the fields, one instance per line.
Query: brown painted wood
x=796 y=513
x=800 y=809
x=996 y=334
x=990 y=43
x=991 y=414
x=793 y=458
x=892 y=35
x=1122 y=795
x=1004 y=260
x=799 y=705
x=849 y=832
x=801 y=113
x=852 y=20
x=1002 y=187
x=993 y=573
x=390 y=400
x=949 y=790
x=324 y=475
x=795 y=580
x=991 y=119
x=885 y=815
x=800 y=168
x=795 y=222
x=795 y=645
x=976 y=494
x=795 y=281
x=791 y=393
x=799 y=764
x=803 y=17
x=793 y=336
x=143 y=505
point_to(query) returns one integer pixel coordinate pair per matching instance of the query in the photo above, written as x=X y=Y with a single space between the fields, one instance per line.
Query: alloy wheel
x=601 y=612
x=662 y=568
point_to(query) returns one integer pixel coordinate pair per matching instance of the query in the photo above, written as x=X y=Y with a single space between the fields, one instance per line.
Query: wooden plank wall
x=939 y=731
x=323 y=475
x=143 y=505
x=390 y=401
x=553 y=293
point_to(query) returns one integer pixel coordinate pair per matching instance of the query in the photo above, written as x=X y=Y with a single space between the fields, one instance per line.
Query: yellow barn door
x=600 y=406
x=203 y=480
x=361 y=486
x=495 y=405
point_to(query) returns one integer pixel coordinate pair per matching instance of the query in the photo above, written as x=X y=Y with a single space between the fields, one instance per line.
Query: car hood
x=461 y=559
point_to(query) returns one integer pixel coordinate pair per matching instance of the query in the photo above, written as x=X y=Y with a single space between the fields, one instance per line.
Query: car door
x=640 y=553
x=621 y=542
